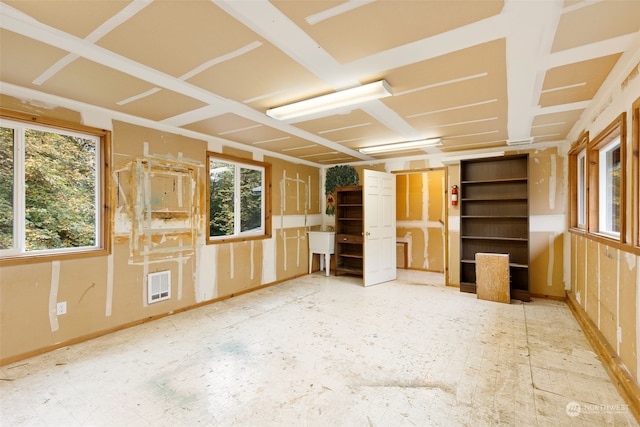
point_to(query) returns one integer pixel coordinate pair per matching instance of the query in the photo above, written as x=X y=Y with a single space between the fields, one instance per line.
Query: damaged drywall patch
x=158 y=206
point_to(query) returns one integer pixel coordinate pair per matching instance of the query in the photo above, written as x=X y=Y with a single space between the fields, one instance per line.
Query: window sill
x=24 y=259
x=606 y=240
x=237 y=239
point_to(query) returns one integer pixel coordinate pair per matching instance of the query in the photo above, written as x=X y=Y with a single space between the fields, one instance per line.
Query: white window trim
x=19 y=203
x=603 y=199
x=237 y=233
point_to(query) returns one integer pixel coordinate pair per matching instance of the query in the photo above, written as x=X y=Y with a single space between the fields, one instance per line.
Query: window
x=51 y=189
x=239 y=198
x=606 y=159
x=609 y=184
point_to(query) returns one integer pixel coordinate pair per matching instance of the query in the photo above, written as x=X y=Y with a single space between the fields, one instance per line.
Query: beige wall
x=109 y=292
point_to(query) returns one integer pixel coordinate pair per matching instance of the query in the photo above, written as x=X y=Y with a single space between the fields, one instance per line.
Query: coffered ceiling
x=479 y=74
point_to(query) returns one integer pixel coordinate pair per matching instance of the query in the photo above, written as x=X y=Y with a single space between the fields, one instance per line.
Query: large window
x=51 y=189
x=239 y=198
x=606 y=159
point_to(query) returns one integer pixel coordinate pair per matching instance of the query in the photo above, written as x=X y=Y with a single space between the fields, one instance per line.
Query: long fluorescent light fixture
x=400 y=146
x=332 y=101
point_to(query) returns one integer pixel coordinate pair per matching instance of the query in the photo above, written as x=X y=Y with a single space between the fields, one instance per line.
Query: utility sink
x=323 y=243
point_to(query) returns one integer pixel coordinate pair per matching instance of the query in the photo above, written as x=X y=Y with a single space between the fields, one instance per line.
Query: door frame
x=445 y=170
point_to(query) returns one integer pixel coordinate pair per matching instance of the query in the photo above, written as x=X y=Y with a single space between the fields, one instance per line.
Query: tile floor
x=319 y=351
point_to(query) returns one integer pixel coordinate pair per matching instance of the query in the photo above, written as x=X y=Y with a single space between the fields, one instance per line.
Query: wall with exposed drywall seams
x=158 y=202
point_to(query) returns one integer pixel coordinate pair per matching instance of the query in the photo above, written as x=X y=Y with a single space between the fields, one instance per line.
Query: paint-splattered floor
x=320 y=351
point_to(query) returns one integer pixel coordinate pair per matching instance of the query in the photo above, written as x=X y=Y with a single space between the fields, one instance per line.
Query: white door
x=379 y=227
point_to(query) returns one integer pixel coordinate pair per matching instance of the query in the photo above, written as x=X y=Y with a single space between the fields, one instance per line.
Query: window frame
x=103 y=220
x=578 y=151
x=615 y=130
x=603 y=197
x=266 y=198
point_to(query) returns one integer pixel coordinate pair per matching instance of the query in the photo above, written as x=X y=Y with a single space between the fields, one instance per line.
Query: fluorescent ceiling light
x=524 y=141
x=332 y=101
x=400 y=146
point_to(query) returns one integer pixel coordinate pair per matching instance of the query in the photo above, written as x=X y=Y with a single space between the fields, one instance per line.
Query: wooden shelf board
x=495 y=199
x=508 y=239
x=496 y=181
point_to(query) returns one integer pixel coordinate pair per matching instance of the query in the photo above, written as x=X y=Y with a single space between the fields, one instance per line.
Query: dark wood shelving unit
x=495 y=218
x=349 y=253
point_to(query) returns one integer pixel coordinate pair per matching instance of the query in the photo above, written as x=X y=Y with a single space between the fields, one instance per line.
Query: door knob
x=367 y=234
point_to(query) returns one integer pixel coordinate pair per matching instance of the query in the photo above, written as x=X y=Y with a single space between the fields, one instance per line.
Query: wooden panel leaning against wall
x=158 y=195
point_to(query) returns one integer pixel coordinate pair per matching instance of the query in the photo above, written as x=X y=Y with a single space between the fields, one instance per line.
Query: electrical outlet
x=62 y=308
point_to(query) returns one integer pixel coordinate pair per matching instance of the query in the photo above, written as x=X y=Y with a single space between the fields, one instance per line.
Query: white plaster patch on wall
x=145 y=272
x=96 y=119
x=180 y=272
x=179 y=189
x=206 y=279
x=251 y=263
x=53 y=295
x=215 y=146
x=298 y=192
x=454 y=223
x=599 y=279
x=232 y=267
x=406 y=196
x=631 y=260
x=269 y=274
x=284 y=251
x=552 y=183
x=298 y=247
x=108 y=309
x=547 y=223
x=296 y=221
x=584 y=266
x=425 y=216
x=619 y=327
x=552 y=238
x=309 y=191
